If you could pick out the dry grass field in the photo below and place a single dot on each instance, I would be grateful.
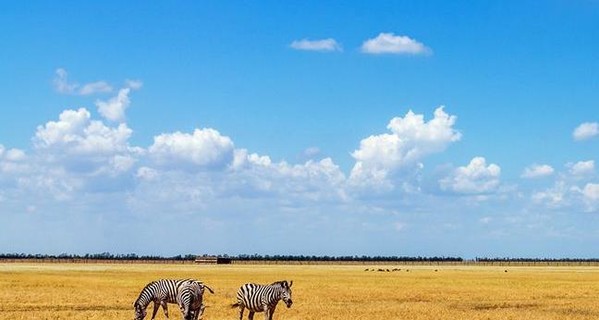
(107, 291)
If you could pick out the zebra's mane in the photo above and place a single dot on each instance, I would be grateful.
(282, 283)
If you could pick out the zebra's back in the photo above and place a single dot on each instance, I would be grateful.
(160, 290)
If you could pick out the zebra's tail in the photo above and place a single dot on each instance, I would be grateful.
(235, 305)
(209, 289)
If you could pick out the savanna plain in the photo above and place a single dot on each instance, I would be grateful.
(107, 291)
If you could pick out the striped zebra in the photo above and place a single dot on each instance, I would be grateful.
(161, 292)
(262, 298)
(189, 298)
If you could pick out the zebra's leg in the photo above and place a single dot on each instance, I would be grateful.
(155, 310)
(241, 308)
(199, 313)
(251, 315)
(271, 312)
(183, 313)
(164, 308)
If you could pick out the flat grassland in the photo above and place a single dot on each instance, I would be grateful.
(107, 291)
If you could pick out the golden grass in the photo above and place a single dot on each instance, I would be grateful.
(107, 291)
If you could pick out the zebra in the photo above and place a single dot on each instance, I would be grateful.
(262, 298)
(189, 298)
(161, 292)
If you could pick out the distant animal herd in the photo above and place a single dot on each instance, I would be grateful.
(188, 295)
(389, 270)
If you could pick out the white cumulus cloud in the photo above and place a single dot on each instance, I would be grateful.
(76, 154)
(411, 139)
(475, 178)
(12, 160)
(76, 133)
(11, 154)
(586, 131)
(322, 45)
(310, 181)
(203, 148)
(582, 168)
(537, 171)
(114, 109)
(389, 43)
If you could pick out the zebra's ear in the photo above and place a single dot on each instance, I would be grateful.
(290, 283)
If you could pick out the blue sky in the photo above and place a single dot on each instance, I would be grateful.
(342, 128)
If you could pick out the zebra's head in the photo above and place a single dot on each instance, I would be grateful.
(140, 312)
(286, 292)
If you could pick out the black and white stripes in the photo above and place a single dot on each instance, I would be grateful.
(165, 291)
(189, 298)
(188, 294)
(263, 298)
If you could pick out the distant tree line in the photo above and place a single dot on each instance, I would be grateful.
(291, 258)
(96, 256)
(257, 257)
(241, 257)
(536, 260)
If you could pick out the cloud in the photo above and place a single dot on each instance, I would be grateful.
(95, 87)
(537, 171)
(591, 191)
(586, 131)
(399, 226)
(324, 45)
(133, 84)
(75, 133)
(62, 85)
(475, 178)
(311, 181)
(485, 220)
(203, 148)
(389, 43)
(114, 109)
(565, 194)
(567, 191)
(12, 161)
(311, 152)
(411, 139)
(250, 178)
(582, 168)
(553, 197)
(11, 154)
(75, 156)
